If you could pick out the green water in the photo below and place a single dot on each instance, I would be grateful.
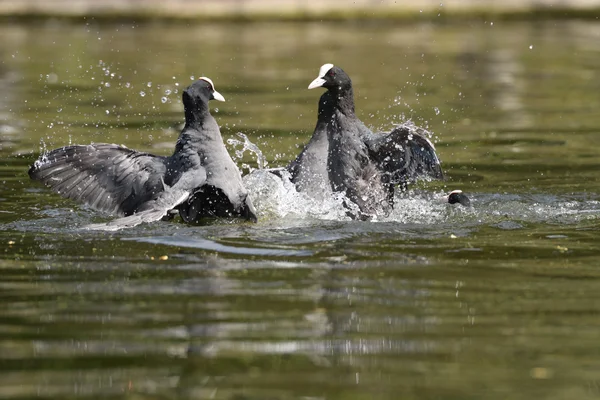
(435, 302)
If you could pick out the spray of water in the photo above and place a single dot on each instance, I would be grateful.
(275, 196)
(247, 145)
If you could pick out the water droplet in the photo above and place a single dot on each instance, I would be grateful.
(437, 110)
(107, 84)
(163, 99)
(192, 78)
(531, 47)
(168, 92)
(128, 85)
(216, 109)
(142, 93)
(107, 112)
(149, 84)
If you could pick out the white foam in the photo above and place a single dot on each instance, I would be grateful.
(276, 197)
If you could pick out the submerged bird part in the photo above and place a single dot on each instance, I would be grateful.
(458, 197)
(199, 179)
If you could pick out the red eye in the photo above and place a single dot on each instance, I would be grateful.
(331, 73)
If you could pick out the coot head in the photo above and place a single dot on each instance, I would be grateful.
(200, 92)
(457, 196)
(332, 78)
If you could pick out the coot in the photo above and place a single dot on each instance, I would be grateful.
(199, 180)
(344, 156)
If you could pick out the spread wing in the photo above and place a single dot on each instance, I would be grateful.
(404, 154)
(161, 204)
(106, 177)
(152, 211)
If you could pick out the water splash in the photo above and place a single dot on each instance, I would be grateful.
(249, 146)
(43, 159)
(275, 196)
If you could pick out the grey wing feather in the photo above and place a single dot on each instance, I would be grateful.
(404, 154)
(129, 221)
(157, 208)
(155, 211)
(107, 177)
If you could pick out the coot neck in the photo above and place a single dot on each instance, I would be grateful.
(194, 116)
(344, 100)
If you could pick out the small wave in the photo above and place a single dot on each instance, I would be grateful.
(206, 244)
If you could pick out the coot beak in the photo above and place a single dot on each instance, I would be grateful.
(317, 83)
(217, 96)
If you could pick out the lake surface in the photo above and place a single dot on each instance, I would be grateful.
(433, 302)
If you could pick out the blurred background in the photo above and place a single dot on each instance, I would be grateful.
(284, 8)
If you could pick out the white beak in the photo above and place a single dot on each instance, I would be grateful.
(218, 96)
(317, 83)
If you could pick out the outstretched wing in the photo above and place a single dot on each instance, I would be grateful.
(106, 177)
(152, 211)
(161, 204)
(404, 154)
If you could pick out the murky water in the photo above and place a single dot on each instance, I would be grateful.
(498, 301)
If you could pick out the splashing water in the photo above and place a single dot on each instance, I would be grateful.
(251, 147)
(275, 196)
(43, 159)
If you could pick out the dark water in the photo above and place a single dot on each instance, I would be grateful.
(434, 302)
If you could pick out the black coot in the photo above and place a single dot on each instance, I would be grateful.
(345, 156)
(458, 197)
(199, 180)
